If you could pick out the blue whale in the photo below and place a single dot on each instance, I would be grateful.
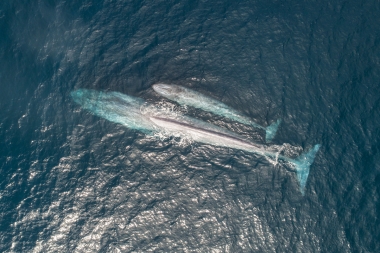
(126, 110)
(185, 96)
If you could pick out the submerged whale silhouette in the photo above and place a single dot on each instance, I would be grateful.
(126, 110)
(185, 96)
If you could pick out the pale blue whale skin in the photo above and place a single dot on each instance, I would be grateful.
(115, 107)
(126, 110)
(185, 96)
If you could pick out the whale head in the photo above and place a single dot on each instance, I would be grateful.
(84, 96)
(167, 90)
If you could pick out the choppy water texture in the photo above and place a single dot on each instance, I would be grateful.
(74, 182)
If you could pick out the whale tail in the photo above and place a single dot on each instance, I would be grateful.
(302, 165)
(270, 131)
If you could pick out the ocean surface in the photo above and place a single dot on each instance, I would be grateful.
(74, 182)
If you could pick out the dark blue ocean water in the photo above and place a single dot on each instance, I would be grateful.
(74, 182)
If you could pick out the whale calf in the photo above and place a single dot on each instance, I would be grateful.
(126, 110)
(185, 96)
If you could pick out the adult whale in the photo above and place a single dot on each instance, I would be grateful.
(206, 133)
(126, 110)
(185, 96)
